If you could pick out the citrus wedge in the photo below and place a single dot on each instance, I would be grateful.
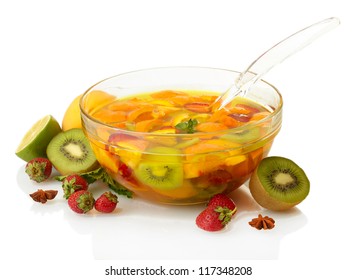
(35, 141)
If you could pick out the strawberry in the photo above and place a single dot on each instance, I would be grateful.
(73, 183)
(106, 203)
(81, 201)
(214, 218)
(219, 177)
(223, 201)
(39, 169)
(218, 213)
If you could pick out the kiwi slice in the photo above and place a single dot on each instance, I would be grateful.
(70, 152)
(279, 184)
(244, 136)
(161, 168)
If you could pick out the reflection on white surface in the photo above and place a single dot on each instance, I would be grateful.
(142, 230)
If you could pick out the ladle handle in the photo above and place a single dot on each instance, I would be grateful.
(274, 56)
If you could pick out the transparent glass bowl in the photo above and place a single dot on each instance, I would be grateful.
(193, 174)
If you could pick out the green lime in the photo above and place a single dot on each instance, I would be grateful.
(35, 141)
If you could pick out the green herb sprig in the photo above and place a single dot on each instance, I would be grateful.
(188, 126)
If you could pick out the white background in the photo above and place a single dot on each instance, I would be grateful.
(51, 51)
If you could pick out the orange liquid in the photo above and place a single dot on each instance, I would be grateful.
(163, 165)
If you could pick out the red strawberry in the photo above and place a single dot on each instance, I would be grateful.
(39, 169)
(73, 183)
(218, 213)
(219, 177)
(214, 218)
(223, 201)
(81, 201)
(106, 203)
(125, 171)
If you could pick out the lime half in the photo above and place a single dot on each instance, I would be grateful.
(35, 141)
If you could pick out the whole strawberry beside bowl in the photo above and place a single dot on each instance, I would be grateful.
(39, 169)
(73, 183)
(81, 201)
(217, 214)
(106, 203)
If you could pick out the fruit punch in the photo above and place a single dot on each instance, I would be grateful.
(173, 146)
(159, 132)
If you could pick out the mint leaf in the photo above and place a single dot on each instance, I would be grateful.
(115, 186)
(188, 126)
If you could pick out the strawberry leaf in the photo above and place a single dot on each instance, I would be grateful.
(101, 174)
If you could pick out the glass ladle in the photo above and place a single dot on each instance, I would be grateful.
(274, 56)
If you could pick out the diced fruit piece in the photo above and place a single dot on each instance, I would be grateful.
(179, 117)
(36, 140)
(198, 107)
(107, 159)
(128, 142)
(160, 168)
(166, 94)
(73, 183)
(240, 117)
(219, 177)
(244, 109)
(279, 184)
(208, 155)
(211, 127)
(230, 121)
(259, 116)
(203, 164)
(245, 136)
(141, 113)
(186, 143)
(81, 201)
(148, 125)
(110, 117)
(106, 203)
(128, 147)
(217, 180)
(39, 169)
(70, 152)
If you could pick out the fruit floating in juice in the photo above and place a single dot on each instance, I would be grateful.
(174, 147)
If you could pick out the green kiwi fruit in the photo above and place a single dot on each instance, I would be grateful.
(70, 152)
(244, 136)
(161, 168)
(279, 184)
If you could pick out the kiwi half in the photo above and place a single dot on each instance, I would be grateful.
(279, 184)
(161, 169)
(70, 152)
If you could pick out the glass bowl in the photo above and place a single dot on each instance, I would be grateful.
(178, 168)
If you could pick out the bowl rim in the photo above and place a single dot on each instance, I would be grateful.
(246, 126)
